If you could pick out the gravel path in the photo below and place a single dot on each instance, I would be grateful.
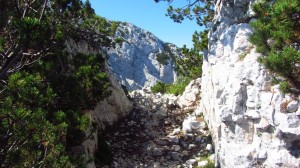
(154, 138)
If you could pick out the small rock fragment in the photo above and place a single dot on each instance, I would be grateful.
(209, 147)
(202, 163)
(176, 148)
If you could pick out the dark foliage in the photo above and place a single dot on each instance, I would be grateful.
(277, 36)
(44, 91)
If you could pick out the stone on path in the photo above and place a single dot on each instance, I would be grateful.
(145, 139)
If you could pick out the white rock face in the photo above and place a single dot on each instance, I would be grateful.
(252, 124)
(141, 59)
(114, 107)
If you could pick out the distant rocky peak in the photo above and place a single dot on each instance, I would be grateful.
(140, 59)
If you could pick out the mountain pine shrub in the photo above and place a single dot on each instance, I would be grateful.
(44, 91)
(190, 65)
(176, 88)
(159, 87)
(277, 36)
(41, 110)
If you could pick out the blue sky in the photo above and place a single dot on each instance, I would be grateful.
(150, 16)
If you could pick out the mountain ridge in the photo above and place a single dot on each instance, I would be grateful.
(140, 59)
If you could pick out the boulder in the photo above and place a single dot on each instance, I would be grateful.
(191, 95)
(191, 124)
(292, 106)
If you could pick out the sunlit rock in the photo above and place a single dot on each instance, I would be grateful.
(252, 122)
(141, 59)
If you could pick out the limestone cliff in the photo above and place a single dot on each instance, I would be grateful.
(252, 122)
(141, 59)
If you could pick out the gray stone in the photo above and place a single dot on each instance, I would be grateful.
(176, 148)
(157, 151)
(156, 165)
(175, 155)
(161, 112)
(197, 125)
(292, 106)
(225, 114)
(202, 163)
(191, 161)
(198, 139)
(190, 123)
(209, 147)
(173, 139)
(191, 146)
(161, 142)
(184, 144)
(176, 131)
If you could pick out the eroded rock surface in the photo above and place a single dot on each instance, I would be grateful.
(141, 59)
(253, 124)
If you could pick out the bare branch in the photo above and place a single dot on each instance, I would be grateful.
(24, 12)
(43, 10)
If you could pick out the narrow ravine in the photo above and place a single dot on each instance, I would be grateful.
(158, 133)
